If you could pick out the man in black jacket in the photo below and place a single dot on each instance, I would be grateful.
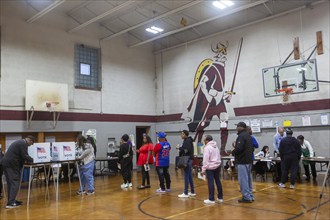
(243, 152)
(12, 163)
(290, 152)
(187, 149)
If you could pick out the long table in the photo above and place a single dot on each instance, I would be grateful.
(103, 160)
(50, 165)
(276, 160)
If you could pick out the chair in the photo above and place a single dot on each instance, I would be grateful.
(196, 166)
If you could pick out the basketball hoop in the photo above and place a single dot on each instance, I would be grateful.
(50, 105)
(286, 97)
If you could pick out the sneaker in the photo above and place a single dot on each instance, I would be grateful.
(191, 194)
(207, 201)
(281, 185)
(168, 190)
(18, 202)
(244, 201)
(126, 185)
(130, 184)
(160, 191)
(12, 205)
(123, 185)
(90, 192)
(141, 187)
(220, 200)
(291, 186)
(183, 195)
(80, 192)
(147, 186)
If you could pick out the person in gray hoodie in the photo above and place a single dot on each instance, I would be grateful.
(211, 167)
(87, 166)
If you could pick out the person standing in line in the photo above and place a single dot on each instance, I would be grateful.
(243, 151)
(307, 151)
(161, 152)
(290, 153)
(145, 158)
(125, 161)
(211, 167)
(86, 169)
(1, 172)
(12, 163)
(276, 144)
(187, 149)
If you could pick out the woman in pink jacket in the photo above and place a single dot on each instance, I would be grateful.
(211, 167)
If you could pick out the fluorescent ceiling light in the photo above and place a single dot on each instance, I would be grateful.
(151, 31)
(223, 4)
(219, 5)
(154, 30)
(157, 29)
(227, 2)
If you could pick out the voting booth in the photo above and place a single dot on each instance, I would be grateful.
(40, 152)
(63, 151)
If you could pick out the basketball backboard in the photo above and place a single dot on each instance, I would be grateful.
(46, 96)
(300, 77)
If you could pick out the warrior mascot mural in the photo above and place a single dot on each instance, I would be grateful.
(210, 96)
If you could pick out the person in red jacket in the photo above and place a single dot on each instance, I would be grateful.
(145, 158)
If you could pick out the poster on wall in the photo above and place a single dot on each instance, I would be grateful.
(267, 123)
(287, 123)
(306, 120)
(324, 119)
(247, 122)
(255, 126)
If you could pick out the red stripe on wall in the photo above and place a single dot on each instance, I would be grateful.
(279, 108)
(241, 111)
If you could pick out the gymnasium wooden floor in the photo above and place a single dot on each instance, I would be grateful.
(111, 202)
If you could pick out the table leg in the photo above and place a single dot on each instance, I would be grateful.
(69, 176)
(47, 179)
(29, 190)
(78, 172)
(58, 172)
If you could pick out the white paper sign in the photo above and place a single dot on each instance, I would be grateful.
(267, 123)
(306, 120)
(324, 120)
(255, 126)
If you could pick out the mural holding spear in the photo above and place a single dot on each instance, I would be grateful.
(209, 94)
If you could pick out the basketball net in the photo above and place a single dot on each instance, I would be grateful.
(50, 105)
(286, 98)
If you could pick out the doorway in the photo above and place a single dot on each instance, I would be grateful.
(140, 130)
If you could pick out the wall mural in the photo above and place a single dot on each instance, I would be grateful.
(209, 95)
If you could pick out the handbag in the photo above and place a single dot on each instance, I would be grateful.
(183, 161)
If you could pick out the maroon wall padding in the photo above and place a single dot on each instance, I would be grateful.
(321, 104)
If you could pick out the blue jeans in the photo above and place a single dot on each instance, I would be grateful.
(188, 178)
(86, 176)
(214, 176)
(245, 180)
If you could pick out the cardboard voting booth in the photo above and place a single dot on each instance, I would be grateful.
(40, 152)
(63, 151)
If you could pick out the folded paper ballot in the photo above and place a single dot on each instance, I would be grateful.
(146, 167)
(200, 176)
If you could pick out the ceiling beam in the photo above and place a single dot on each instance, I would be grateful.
(45, 10)
(235, 10)
(117, 8)
(238, 27)
(153, 19)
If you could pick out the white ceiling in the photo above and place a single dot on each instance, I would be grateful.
(116, 18)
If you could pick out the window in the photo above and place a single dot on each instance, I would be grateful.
(87, 67)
